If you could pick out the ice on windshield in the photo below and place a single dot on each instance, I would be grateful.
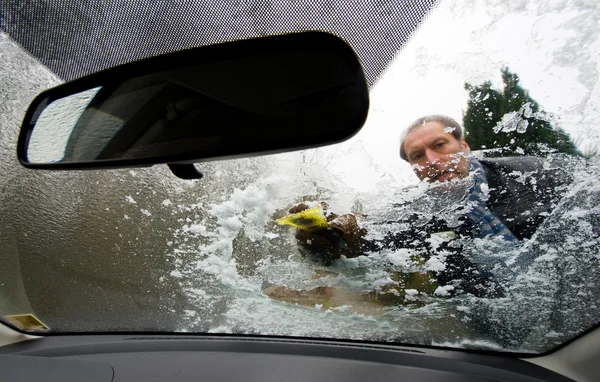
(408, 261)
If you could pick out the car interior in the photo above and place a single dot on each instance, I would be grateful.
(169, 168)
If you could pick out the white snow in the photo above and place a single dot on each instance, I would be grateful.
(443, 290)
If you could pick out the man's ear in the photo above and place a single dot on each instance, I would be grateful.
(465, 145)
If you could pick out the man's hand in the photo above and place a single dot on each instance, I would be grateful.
(343, 237)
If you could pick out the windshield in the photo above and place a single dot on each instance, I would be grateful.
(463, 215)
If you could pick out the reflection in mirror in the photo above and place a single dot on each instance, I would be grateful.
(55, 125)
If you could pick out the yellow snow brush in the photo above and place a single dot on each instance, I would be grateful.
(310, 220)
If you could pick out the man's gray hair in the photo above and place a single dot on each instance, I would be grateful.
(456, 131)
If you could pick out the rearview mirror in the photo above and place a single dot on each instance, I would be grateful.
(242, 98)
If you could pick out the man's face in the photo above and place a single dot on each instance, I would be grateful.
(435, 154)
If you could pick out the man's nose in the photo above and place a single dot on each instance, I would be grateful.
(433, 156)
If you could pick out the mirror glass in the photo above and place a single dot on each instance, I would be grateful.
(48, 143)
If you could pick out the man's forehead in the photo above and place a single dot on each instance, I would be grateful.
(428, 130)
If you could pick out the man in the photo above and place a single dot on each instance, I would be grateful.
(521, 191)
(435, 148)
(506, 200)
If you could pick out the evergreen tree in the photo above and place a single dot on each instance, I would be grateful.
(511, 122)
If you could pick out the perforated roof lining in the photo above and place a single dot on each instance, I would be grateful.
(77, 38)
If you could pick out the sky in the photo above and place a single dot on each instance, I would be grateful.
(553, 50)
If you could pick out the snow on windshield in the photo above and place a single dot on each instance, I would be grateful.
(507, 261)
(232, 259)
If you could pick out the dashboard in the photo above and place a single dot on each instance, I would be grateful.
(104, 358)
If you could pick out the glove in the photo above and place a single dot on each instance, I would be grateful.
(342, 237)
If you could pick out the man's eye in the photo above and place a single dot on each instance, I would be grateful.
(440, 145)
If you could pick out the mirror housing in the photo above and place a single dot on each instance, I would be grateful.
(231, 100)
